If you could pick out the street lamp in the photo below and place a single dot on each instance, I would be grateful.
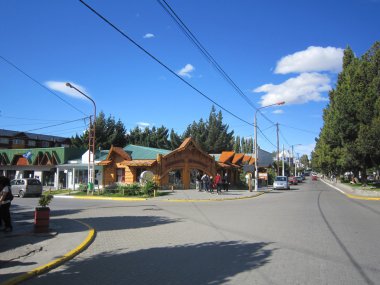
(91, 144)
(255, 124)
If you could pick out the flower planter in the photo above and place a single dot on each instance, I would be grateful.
(41, 219)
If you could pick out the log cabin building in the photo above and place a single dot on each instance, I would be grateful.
(178, 168)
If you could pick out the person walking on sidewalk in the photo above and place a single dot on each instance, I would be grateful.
(5, 203)
(218, 183)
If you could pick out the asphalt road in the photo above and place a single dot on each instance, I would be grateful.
(309, 235)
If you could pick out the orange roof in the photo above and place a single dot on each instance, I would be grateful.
(139, 162)
(252, 160)
(246, 158)
(185, 142)
(223, 165)
(226, 156)
(238, 158)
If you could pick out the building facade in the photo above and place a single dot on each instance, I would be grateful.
(176, 169)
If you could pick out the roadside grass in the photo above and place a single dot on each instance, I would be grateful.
(369, 187)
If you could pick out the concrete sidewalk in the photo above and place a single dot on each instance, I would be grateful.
(353, 192)
(25, 254)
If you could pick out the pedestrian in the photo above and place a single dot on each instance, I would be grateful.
(204, 179)
(225, 182)
(218, 183)
(5, 203)
(198, 182)
(211, 184)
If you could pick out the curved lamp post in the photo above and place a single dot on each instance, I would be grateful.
(255, 124)
(91, 144)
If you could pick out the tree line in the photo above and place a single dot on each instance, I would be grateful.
(349, 139)
(211, 135)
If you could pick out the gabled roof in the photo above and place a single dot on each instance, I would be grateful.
(140, 162)
(246, 158)
(189, 143)
(143, 152)
(226, 156)
(238, 158)
(119, 151)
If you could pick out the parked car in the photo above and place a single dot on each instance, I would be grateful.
(26, 187)
(293, 180)
(370, 178)
(281, 182)
(299, 179)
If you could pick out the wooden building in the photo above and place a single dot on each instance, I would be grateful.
(177, 168)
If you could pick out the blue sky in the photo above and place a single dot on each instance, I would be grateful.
(273, 50)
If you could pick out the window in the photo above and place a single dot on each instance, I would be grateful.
(45, 144)
(120, 174)
(4, 141)
(31, 143)
(18, 141)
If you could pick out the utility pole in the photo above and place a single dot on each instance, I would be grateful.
(278, 152)
(283, 160)
(293, 161)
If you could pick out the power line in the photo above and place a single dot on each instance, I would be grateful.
(29, 119)
(40, 84)
(57, 124)
(302, 130)
(266, 137)
(283, 137)
(206, 54)
(161, 63)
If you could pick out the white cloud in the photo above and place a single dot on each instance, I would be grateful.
(185, 71)
(143, 125)
(278, 111)
(148, 36)
(297, 90)
(310, 60)
(61, 87)
(304, 149)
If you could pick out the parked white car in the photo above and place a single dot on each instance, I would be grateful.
(281, 182)
(26, 187)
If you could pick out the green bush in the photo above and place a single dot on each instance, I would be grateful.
(148, 188)
(82, 187)
(45, 200)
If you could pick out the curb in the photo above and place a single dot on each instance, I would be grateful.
(100, 198)
(213, 200)
(55, 263)
(352, 196)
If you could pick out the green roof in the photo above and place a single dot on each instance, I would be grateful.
(63, 154)
(216, 156)
(143, 152)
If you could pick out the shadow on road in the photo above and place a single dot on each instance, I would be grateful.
(205, 263)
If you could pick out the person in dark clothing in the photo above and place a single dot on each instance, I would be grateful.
(5, 203)
(225, 182)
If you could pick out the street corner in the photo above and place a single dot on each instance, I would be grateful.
(26, 260)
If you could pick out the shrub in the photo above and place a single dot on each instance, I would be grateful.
(45, 200)
(149, 188)
(82, 187)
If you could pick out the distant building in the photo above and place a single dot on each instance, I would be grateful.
(41, 163)
(19, 140)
